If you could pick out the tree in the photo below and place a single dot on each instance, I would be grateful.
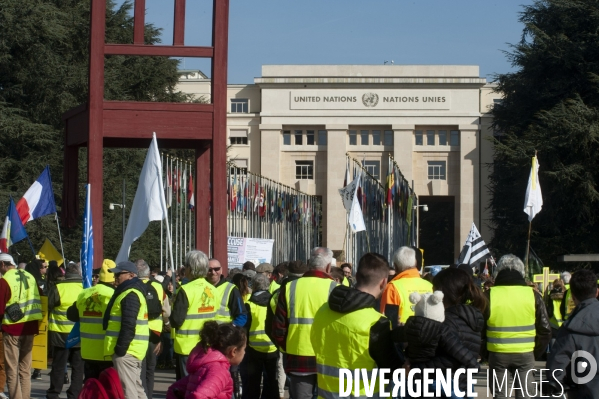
(550, 105)
(43, 73)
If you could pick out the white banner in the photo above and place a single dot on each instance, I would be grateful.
(255, 250)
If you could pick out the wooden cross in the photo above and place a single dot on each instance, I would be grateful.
(545, 279)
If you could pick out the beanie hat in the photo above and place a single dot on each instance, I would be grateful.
(429, 305)
(105, 275)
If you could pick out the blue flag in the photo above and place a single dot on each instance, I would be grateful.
(87, 261)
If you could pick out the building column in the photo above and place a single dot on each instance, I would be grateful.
(468, 203)
(403, 142)
(270, 151)
(334, 214)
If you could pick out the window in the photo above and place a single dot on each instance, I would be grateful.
(298, 137)
(364, 137)
(376, 137)
(240, 167)
(310, 137)
(374, 168)
(322, 137)
(286, 137)
(304, 170)
(418, 136)
(454, 137)
(388, 137)
(238, 137)
(239, 105)
(436, 170)
(353, 137)
(442, 137)
(430, 137)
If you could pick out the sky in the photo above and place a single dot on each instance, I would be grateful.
(455, 32)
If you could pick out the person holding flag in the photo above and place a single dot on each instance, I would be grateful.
(21, 311)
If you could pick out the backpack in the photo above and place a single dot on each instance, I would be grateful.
(154, 305)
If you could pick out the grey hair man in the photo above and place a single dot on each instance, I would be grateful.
(395, 301)
(196, 302)
(298, 302)
(153, 288)
(517, 325)
(567, 306)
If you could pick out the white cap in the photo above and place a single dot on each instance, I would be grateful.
(159, 278)
(429, 305)
(4, 257)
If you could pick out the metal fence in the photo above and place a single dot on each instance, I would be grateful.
(388, 212)
(259, 207)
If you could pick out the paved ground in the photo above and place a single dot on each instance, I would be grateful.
(164, 378)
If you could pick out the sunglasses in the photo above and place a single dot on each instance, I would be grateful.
(213, 269)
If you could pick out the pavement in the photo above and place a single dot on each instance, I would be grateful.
(164, 378)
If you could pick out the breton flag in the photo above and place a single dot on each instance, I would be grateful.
(475, 248)
(38, 201)
(149, 203)
(534, 199)
(13, 230)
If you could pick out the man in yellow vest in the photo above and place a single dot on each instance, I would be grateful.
(267, 270)
(261, 354)
(126, 325)
(148, 365)
(567, 306)
(395, 303)
(89, 311)
(517, 326)
(18, 287)
(556, 295)
(298, 302)
(195, 304)
(60, 297)
(349, 333)
(230, 305)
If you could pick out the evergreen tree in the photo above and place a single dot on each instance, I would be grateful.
(43, 73)
(550, 105)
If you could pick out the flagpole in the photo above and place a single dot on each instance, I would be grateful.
(59, 235)
(31, 245)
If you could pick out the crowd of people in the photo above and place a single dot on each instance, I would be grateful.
(261, 328)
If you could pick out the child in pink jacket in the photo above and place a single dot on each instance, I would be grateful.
(220, 346)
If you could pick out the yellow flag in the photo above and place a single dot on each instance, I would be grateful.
(49, 252)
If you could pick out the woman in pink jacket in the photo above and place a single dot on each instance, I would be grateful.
(220, 346)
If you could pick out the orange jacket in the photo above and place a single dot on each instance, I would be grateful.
(391, 296)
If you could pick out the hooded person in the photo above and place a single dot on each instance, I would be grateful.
(348, 333)
(89, 310)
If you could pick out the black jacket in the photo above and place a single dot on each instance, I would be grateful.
(56, 338)
(129, 310)
(259, 298)
(236, 307)
(579, 332)
(542, 327)
(380, 346)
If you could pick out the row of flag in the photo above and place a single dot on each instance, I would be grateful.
(179, 185)
(245, 195)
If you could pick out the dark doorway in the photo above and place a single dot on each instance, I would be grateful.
(437, 230)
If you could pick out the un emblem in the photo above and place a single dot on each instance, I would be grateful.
(370, 99)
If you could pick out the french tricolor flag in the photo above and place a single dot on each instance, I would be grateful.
(38, 201)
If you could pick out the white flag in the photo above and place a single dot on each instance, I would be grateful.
(356, 219)
(349, 192)
(534, 199)
(149, 203)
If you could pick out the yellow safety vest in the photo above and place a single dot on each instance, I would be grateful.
(340, 341)
(511, 324)
(68, 293)
(556, 320)
(345, 282)
(156, 324)
(26, 294)
(570, 305)
(202, 300)
(139, 344)
(223, 292)
(91, 304)
(304, 297)
(406, 286)
(273, 287)
(258, 339)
